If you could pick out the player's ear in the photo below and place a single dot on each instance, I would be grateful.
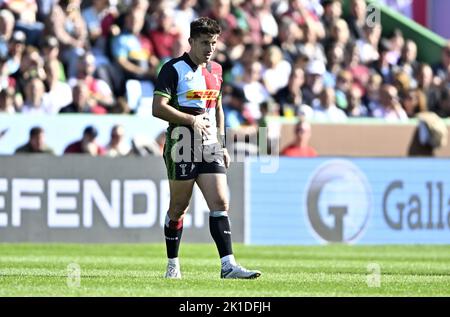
(190, 40)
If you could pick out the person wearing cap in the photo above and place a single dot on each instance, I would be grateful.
(16, 50)
(87, 144)
(50, 50)
(314, 82)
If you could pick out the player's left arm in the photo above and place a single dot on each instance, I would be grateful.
(220, 123)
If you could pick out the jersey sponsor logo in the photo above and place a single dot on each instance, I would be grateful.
(208, 94)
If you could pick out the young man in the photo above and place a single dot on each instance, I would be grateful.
(187, 95)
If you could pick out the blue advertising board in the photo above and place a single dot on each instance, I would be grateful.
(361, 200)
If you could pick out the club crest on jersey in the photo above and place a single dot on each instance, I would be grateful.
(189, 76)
(208, 94)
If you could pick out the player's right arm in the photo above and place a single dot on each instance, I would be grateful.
(161, 109)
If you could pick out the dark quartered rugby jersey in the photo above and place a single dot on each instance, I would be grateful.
(192, 89)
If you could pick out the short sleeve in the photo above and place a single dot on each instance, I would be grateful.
(166, 83)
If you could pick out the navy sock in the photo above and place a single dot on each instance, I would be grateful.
(219, 226)
(173, 231)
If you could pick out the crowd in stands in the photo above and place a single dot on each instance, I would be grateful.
(279, 57)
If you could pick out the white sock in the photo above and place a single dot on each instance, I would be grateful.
(228, 260)
(174, 262)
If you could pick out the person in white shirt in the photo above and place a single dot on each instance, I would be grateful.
(327, 110)
(389, 107)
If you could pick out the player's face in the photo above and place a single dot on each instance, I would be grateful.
(203, 47)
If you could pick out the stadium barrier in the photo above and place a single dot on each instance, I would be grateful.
(84, 199)
(365, 138)
(296, 201)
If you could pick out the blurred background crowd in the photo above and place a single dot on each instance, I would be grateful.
(285, 58)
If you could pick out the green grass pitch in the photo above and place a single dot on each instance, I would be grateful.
(137, 270)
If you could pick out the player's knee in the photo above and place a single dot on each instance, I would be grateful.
(220, 205)
(178, 211)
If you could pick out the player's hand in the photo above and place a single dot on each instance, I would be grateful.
(226, 158)
(201, 125)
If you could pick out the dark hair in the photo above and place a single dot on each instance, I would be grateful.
(204, 25)
(35, 131)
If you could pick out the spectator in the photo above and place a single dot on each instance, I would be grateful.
(94, 16)
(332, 11)
(289, 39)
(255, 92)
(389, 107)
(355, 107)
(339, 32)
(82, 101)
(252, 53)
(34, 97)
(100, 94)
(66, 23)
(36, 143)
(300, 147)
(183, 16)
(290, 98)
(87, 144)
(397, 44)
(357, 18)
(50, 50)
(117, 145)
(335, 59)
(314, 82)
(59, 93)
(442, 69)
(327, 110)
(31, 66)
(414, 102)
(277, 71)
(16, 50)
(234, 109)
(303, 15)
(311, 47)
(425, 83)
(407, 61)
(165, 35)
(7, 22)
(7, 101)
(134, 59)
(344, 84)
(6, 81)
(368, 45)
(443, 109)
(359, 71)
(382, 65)
(221, 12)
(372, 93)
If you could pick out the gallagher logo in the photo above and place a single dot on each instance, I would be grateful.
(338, 200)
